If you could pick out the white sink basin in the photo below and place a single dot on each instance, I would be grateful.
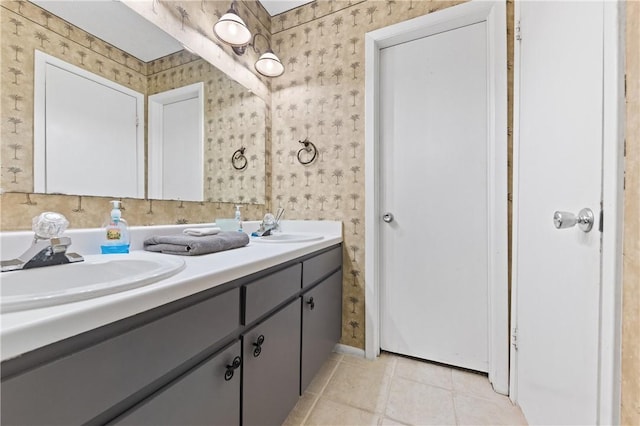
(98, 275)
(287, 237)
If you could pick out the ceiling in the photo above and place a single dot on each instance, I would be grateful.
(114, 23)
(275, 7)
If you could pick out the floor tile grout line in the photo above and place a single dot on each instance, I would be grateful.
(391, 371)
(347, 404)
(426, 383)
(319, 395)
(391, 377)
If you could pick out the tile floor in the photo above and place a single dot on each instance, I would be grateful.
(394, 390)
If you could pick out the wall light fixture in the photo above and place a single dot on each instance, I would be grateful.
(232, 30)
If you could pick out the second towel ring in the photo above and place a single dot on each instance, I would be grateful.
(238, 160)
(308, 147)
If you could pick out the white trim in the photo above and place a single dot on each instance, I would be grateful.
(155, 139)
(612, 202)
(348, 350)
(494, 13)
(39, 119)
(513, 358)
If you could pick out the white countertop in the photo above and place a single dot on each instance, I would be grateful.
(27, 330)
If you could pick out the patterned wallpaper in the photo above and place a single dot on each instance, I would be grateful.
(321, 96)
(24, 30)
(631, 251)
(26, 27)
(234, 118)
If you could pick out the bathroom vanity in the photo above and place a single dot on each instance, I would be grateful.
(233, 351)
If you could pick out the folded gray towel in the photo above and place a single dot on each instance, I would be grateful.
(187, 245)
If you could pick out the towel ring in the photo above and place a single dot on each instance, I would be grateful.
(308, 147)
(238, 160)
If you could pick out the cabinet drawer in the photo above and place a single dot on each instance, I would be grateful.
(78, 387)
(201, 397)
(320, 266)
(267, 293)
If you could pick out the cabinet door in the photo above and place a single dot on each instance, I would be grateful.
(208, 395)
(271, 370)
(66, 391)
(321, 325)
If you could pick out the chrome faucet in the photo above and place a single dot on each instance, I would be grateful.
(48, 248)
(270, 223)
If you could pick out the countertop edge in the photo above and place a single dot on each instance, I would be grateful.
(25, 331)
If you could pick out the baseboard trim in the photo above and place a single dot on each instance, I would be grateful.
(349, 350)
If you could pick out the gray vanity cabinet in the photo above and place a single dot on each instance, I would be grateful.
(321, 325)
(238, 353)
(271, 370)
(207, 395)
(72, 383)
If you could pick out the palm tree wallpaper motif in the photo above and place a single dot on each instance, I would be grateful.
(329, 79)
(320, 96)
(26, 28)
(242, 122)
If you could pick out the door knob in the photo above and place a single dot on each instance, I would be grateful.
(584, 220)
(388, 217)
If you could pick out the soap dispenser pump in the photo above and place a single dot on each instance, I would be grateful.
(116, 232)
(238, 217)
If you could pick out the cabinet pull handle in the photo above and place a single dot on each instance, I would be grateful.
(237, 361)
(311, 303)
(258, 346)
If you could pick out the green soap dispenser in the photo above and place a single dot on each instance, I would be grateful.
(116, 232)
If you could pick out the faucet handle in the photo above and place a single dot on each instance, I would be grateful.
(60, 244)
(49, 225)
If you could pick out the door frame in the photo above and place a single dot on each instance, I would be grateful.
(609, 358)
(494, 14)
(155, 138)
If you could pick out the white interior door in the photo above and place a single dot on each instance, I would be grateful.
(182, 180)
(88, 132)
(434, 168)
(176, 144)
(558, 166)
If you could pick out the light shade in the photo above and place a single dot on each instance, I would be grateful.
(232, 30)
(269, 64)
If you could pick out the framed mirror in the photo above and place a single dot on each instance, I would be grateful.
(231, 116)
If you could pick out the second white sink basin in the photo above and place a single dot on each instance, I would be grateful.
(98, 275)
(288, 237)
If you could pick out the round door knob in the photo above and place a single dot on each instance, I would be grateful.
(388, 217)
(584, 220)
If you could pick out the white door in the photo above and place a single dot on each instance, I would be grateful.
(558, 166)
(176, 144)
(181, 179)
(433, 126)
(87, 136)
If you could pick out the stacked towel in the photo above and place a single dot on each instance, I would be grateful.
(201, 232)
(188, 245)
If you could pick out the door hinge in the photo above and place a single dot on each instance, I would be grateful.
(514, 338)
(518, 32)
(601, 225)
